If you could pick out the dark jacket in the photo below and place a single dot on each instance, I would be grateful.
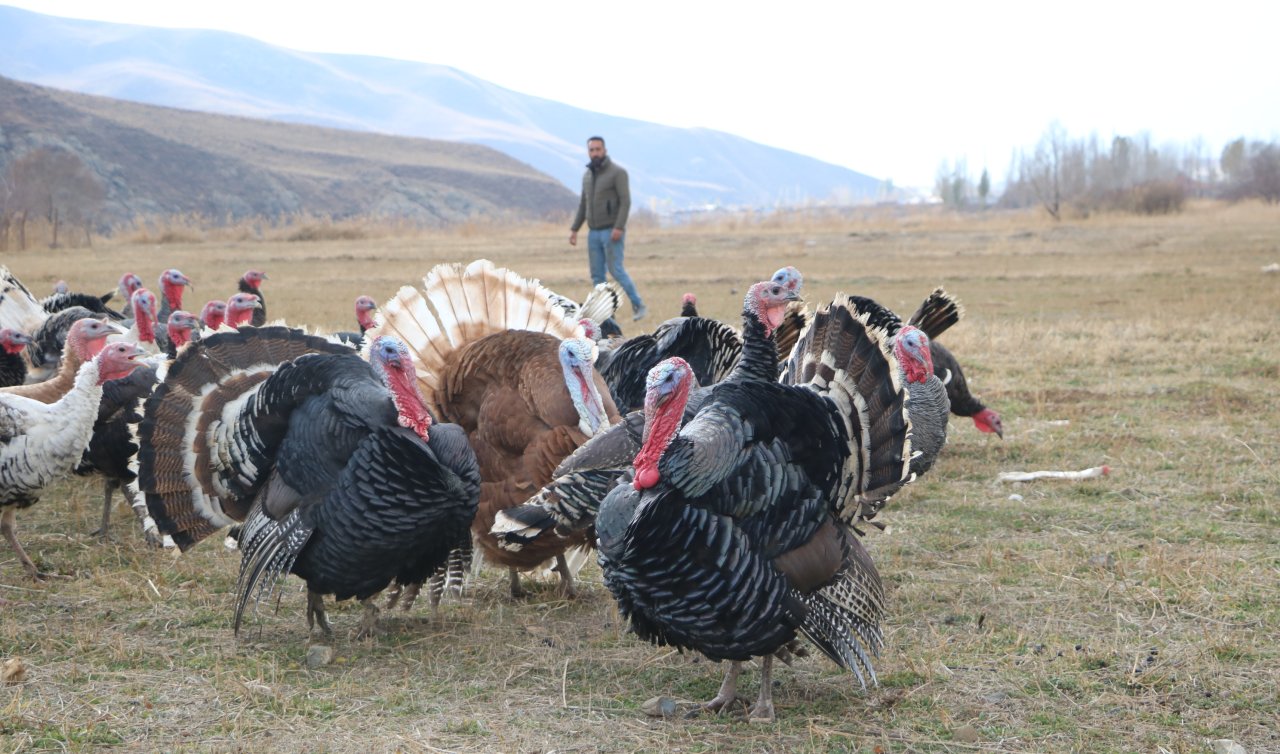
(606, 198)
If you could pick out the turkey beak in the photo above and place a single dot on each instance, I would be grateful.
(115, 328)
(792, 295)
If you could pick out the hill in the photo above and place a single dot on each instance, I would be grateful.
(157, 160)
(671, 168)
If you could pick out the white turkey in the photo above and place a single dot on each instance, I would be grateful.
(41, 442)
(736, 533)
(498, 358)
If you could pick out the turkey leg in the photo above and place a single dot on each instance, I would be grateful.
(762, 712)
(10, 533)
(316, 614)
(728, 689)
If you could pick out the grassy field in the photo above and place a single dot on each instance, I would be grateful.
(1132, 613)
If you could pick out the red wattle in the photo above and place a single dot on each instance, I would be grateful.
(646, 478)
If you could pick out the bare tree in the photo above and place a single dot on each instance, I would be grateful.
(52, 184)
(1046, 168)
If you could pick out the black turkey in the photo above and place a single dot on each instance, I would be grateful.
(13, 366)
(251, 282)
(963, 403)
(332, 463)
(736, 532)
(569, 503)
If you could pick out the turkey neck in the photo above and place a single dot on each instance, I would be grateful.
(759, 360)
(173, 295)
(410, 406)
(660, 427)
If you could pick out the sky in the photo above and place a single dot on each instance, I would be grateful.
(890, 89)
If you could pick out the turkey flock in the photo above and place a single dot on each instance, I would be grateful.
(722, 475)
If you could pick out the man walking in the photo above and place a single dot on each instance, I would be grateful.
(604, 206)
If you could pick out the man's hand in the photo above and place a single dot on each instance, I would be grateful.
(616, 235)
(573, 238)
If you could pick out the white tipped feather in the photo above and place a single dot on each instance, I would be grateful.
(459, 305)
(18, 308)
(602, 302)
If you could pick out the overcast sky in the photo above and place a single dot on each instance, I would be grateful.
(890, 89)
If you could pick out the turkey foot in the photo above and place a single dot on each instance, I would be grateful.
(567, 587)
(762, 711)
(728, 693)
(393, 595)
(369, 623)
(316, 614)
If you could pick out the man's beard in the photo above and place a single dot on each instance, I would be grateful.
(596, 163)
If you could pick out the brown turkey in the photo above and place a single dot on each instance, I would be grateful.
(497, 357)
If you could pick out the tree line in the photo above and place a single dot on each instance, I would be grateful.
(1126, 173)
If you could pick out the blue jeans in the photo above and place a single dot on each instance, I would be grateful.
(602, 252)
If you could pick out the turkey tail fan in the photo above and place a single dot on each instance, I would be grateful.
(937, 313)
(19, 310)
(843, 618)
(793, 322)
(602, 302)
(204, 384)
(458, 305)
(848, 359)
(711, 347)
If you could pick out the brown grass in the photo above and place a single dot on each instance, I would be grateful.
(1131, 613)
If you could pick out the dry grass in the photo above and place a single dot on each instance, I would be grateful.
(1131, 613)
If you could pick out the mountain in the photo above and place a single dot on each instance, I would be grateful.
(212, 71)
(164, 161)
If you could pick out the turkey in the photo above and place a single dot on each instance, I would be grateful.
(569, 503)
(144, 328)
(19, 310)
(358, 487)
(736, 532)
(13, 366)
(183, 327)
(84, 339)
(45, 351)
(113, 446)
(939, 311)
(688, 305)
(172, 285)
(128, 285)
(67, 299)
(504, 363)
(928, 403)
(243, 309)
(178, 460)
(40, 442)
(214, 314)
(251, 283)
(365, 307)
(963, 403)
